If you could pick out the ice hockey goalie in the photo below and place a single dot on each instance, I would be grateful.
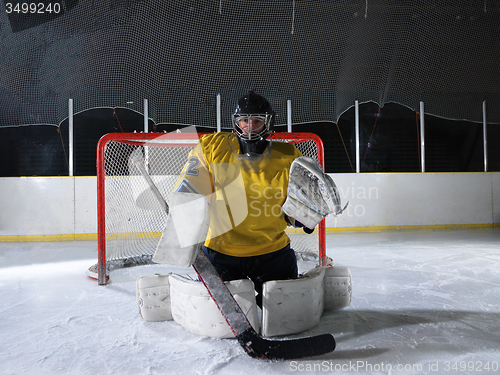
(288, 306)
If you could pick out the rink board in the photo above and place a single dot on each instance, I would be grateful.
(65, 207)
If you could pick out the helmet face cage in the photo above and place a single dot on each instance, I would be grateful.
(252, 127)
(253, 118)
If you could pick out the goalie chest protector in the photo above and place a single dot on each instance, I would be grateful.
(245, 206)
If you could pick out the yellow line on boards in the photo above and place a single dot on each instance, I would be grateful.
(93, 236)
(48, 237)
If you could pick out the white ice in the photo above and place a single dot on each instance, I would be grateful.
(424, 302)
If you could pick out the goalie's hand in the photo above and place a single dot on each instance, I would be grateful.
(312, 195)
(297, 224)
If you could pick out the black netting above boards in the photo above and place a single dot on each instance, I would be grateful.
(321, 55)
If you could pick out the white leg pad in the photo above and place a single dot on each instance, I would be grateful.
(153, 298)
(186, 228)
(338, 287)
(194, 309)
(293, 306)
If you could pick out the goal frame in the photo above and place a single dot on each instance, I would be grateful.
(141, 139)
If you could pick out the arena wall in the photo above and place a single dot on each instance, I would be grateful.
(64, 208)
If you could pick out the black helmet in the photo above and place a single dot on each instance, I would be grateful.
(253, 106)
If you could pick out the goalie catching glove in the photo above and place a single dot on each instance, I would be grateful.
(312, 195)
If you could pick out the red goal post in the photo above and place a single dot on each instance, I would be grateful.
(129, 220)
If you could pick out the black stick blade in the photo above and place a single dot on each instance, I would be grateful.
(258, 347)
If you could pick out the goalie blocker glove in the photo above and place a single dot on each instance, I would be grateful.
(312, 195)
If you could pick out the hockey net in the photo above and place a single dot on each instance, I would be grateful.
(130, 218)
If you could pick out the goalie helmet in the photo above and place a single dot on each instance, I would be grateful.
(253, 122)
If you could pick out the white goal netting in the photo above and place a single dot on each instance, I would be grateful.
(179, 54)
(130, 217)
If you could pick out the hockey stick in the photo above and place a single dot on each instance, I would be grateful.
(138, 161)
(255, 345)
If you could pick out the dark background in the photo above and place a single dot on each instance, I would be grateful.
(389, 142)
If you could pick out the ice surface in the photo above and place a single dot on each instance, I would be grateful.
(424, 302)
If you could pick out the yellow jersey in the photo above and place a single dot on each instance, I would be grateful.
(245, 204)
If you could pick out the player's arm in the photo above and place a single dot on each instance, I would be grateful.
(188, 221)
(195, 177)
(311, 195)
